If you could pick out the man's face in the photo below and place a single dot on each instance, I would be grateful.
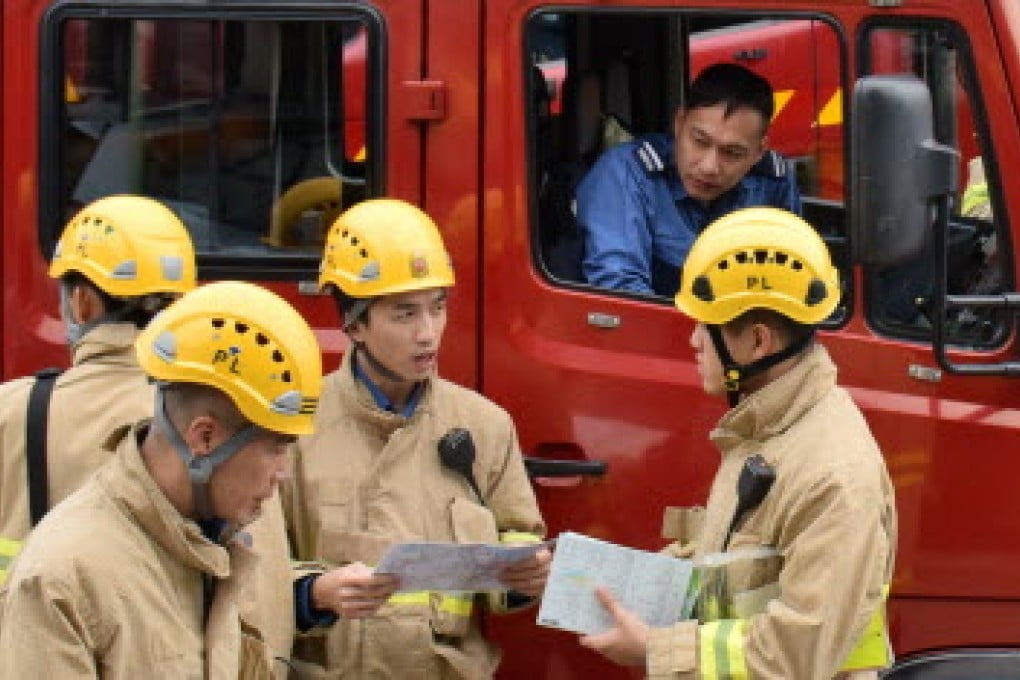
(714, 151)
(403, 331)
(240, 486)
(740, 346)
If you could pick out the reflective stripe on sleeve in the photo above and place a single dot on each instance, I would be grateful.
(519, 537)
(873, 650)
(721, 650)
(458, 604)
(9, 549)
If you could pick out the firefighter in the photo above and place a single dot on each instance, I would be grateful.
(119, 261)
(802, 488)
(139, 573)
(371, 475)
(644, 202)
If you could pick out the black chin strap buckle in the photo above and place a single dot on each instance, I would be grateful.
(731, 379)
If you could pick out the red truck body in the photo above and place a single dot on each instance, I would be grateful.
(444, 99)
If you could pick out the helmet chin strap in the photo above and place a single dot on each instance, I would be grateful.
(377, 366)
(200, 468)
(735, 374)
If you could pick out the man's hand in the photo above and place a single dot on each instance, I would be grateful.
(529, 575)
(353, 591)
(626, 643)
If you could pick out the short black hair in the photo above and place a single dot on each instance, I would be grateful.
(345, 304)
(734, 86)
(136, 315)
(791, 331)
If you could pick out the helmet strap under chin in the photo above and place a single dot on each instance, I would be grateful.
(361, 350)
(735, 375)
(200, 468)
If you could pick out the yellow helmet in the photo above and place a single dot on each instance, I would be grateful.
(246, 342)
(128, 246)
(758, 258)
(384, 246)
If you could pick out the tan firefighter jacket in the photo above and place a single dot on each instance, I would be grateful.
(368, 479)
(104, 390)
(830, 514)
(110, 584)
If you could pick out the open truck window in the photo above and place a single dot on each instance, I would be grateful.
(257, 131)
(978, 259)
(597, 79)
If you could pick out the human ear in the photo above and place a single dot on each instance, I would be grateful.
(201, 435)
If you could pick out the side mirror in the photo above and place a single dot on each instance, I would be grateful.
(897, 170)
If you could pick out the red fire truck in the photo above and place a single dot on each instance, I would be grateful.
(257, 121)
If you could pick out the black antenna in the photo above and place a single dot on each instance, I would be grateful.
(457, 453)
(753, 485)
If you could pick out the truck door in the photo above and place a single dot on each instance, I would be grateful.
(257, 128)
(596, 376)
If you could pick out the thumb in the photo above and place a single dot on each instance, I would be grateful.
(611, 604)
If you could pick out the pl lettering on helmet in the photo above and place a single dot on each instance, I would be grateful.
(127, 246)
(758, 258)
(246, 342)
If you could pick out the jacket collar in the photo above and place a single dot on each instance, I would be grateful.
(775, 407)
(127, 481)
(357, 398)
(108, 342)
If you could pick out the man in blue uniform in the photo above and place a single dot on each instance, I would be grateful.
(644, 202)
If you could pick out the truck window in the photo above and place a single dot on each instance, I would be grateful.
(257, 132)
(598, 79)
(977, 264)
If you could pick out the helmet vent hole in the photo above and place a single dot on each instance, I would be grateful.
(277, 356)
(741, 258)
(344, 233)
(364, 253)
(217, 323)
(724, 265)
(261, 340)
(761, 256)
(796, 265)
(285, 376)
(241, 328)
(781, 258)
(354, 240)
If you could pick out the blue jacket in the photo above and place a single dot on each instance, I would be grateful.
(639, 223)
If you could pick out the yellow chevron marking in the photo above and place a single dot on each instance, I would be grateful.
(780, 100)
(832, 112)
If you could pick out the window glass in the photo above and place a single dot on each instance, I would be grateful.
(899, 300)
(598, 80)
(252, 131)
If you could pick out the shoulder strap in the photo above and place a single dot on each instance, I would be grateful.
(35, 442)
(651, 156)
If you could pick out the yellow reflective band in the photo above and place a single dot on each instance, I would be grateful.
(519, 537)
(832, 112)
(457, 604)
(779, 101)
(9, 549)
(975, 195)
(721, 650)
(873, 649)
(410, 599)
